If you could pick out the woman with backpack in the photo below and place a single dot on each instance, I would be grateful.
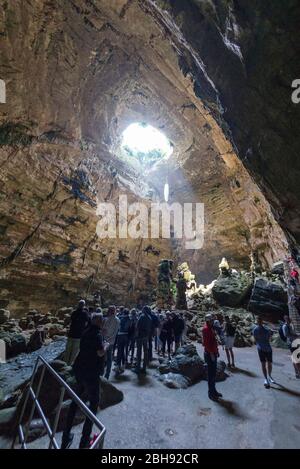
(229, 333)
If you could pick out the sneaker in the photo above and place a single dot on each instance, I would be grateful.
(271, 380)
(213, 397)
(266, 383)
(67, 440)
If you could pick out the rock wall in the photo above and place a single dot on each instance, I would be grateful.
(77, 73)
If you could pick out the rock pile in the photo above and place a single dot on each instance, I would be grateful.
(32, 330)
(241, 319)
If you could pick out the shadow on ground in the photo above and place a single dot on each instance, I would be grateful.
(244, 372)
(232, 408)
(280, 387)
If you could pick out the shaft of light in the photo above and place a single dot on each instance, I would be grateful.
(166, 191)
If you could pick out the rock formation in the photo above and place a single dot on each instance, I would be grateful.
(211, 74)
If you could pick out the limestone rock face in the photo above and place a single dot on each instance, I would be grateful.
(231, 291)
(77, 74)
(4, 315)
(268, 298)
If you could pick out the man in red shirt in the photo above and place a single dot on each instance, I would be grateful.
(211, 354)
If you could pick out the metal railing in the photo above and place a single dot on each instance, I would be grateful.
(23, 433)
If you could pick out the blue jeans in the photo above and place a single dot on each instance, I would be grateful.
(211, 373)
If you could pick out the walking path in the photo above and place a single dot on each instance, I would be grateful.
(250, 416)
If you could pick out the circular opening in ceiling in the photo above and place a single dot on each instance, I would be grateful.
(144, 145)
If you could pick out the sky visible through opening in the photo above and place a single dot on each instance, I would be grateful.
(145, 144)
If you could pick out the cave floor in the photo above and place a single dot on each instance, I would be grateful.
(249, 416)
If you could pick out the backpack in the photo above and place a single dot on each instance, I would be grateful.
(230, 330)
(281, 333)
(125, 324)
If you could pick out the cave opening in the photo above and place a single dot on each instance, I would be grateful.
(144, 145)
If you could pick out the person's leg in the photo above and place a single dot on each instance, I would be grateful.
(132, 346)
(138, 353)
(67, 355)
(108, 361)
(228, 356)
(232, 356)
(146, 353)
(169, 342)
(269, 365)
(93, 391)
(75, 350)
(150, 348)
(210, 374)
(264, 369)
(163, 345)
(125, 349)
(67, 436)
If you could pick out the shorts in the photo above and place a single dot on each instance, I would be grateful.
(265, 356)
(228, 341)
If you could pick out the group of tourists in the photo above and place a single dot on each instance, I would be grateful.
(128, 338)
(128, 335)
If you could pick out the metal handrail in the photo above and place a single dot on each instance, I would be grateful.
(99, 441)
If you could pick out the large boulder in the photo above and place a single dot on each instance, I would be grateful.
(186, 362)
(36, 340)
(7, 420)
(15, 343)
(278, 268)
(174, 381)
(221, 375)
(268, 298)
(233, 290)
(4, 315)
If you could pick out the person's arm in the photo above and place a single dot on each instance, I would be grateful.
(101, 346)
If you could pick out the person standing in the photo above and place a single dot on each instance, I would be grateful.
(87, 368)
(262, 335)
(111, 328)
(79, 321)
(290, 336)
(144, 329)
(184, 332)
(132, 334)
(155, 324)
(211, 354)
(178, 327)
(229, 333)
(122, 341)
(167, 334)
